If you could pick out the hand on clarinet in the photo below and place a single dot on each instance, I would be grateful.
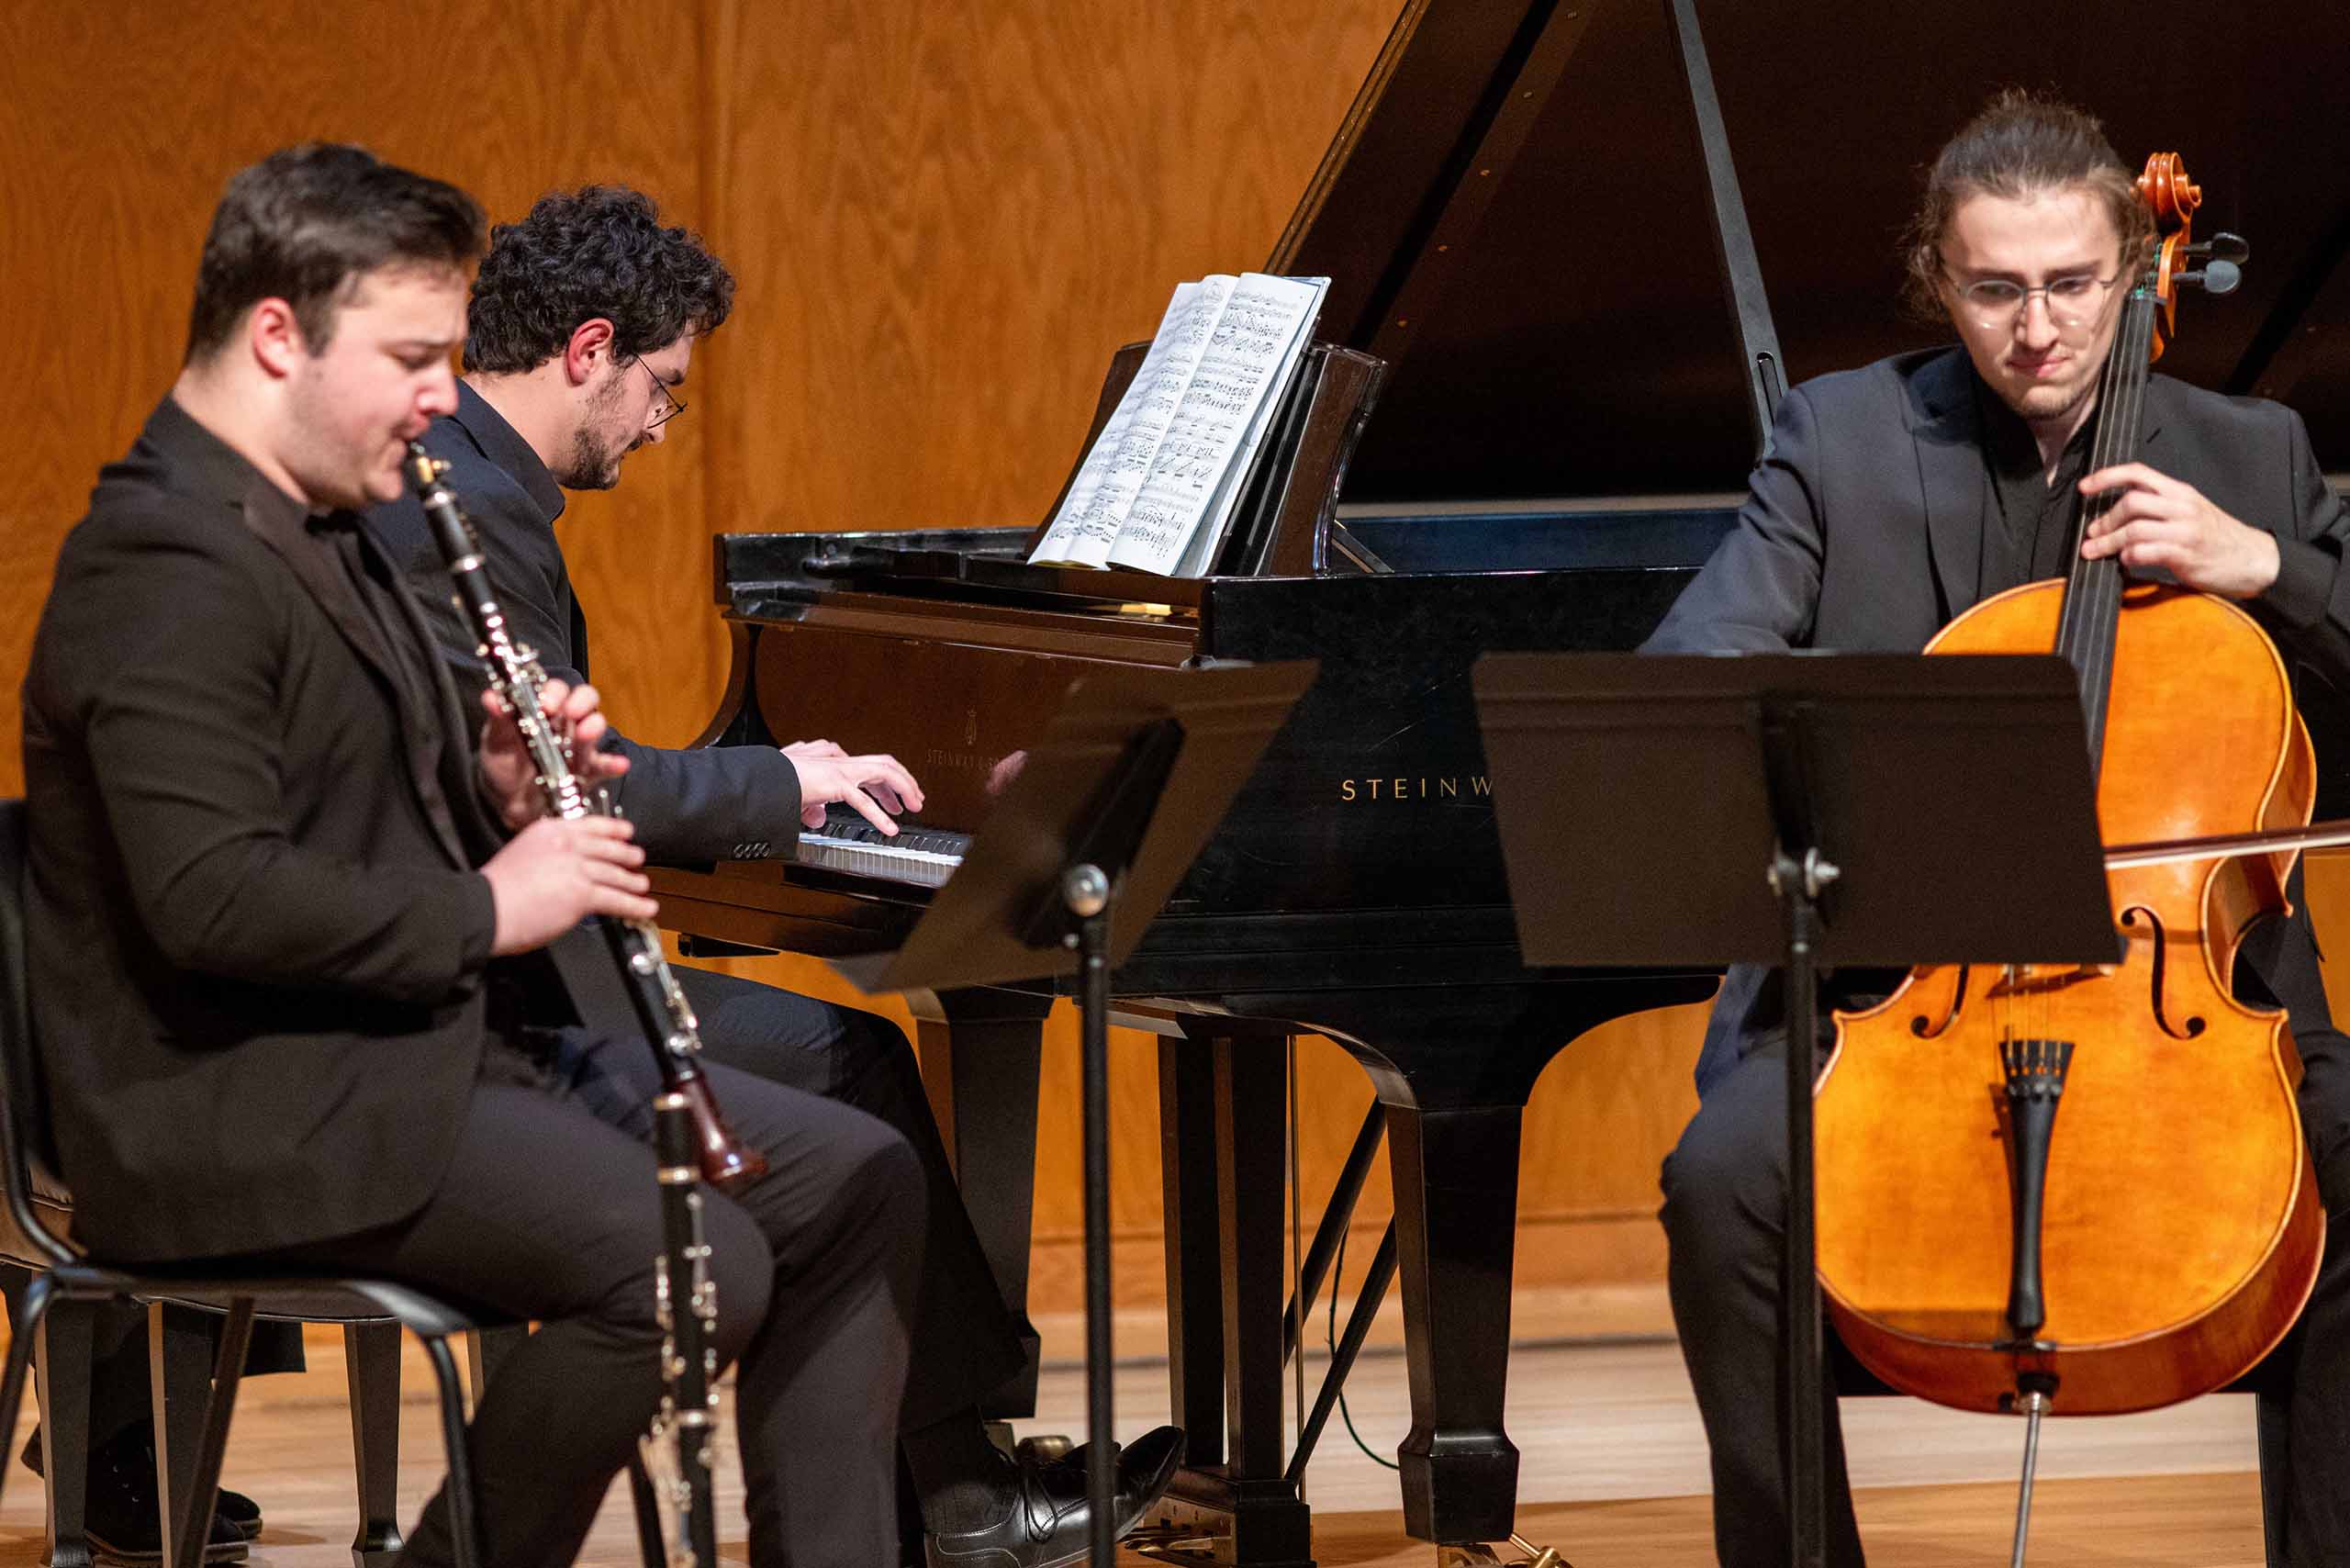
(558, 871)
(508, 776)
(876, 785)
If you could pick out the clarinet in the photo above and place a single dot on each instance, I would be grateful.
(691, 1142)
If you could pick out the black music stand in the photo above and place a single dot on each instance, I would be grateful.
(1100, 824)
(1801, 809)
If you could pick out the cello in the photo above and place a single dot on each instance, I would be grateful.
(2105, 1161)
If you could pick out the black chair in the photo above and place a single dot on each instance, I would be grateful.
(181, 1337)
(194, 1407)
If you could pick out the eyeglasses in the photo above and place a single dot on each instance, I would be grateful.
(2073, 300)
(671, 407)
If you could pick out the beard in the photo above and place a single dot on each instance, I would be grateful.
(2041, 404)
(2045, 405)
(594, 461)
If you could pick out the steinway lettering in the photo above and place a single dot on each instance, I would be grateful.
(1465, 787)
(937, 757)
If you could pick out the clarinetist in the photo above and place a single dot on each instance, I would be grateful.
(277, 877)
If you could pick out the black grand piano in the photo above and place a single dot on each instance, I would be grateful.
(1544, 364)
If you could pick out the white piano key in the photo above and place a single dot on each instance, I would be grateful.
(922, 868)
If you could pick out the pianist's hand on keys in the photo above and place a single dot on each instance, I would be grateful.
(876, 786)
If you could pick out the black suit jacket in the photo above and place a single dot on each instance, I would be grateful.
(696, 803)
(1863, 531)
(257, 943)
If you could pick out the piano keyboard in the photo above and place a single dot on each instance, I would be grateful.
(924, 856)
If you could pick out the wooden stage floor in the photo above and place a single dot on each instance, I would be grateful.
(1613, 1473)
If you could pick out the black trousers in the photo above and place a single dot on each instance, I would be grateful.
(1725, 1214)
(549, 1211)
(966, 1342)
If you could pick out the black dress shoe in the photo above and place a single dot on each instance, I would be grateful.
(1044, 1522)
(143, 1546)
(120, 1515)
(1144, 1466)
(234, 1507)
(239, 1510)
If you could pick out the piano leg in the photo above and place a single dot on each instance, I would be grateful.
(980, 1051)
(1222, 1104)
(1456, 1187)
(1453, 1153)
(1194, 1262)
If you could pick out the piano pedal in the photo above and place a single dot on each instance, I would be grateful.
(1172, 1541)
(1476, 1554)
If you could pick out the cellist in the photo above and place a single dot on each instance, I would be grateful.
(1896, 497)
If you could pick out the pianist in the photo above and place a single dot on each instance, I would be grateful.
(581, 325)
(2029, 220)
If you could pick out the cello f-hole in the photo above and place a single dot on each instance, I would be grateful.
(1925, 1028)
(2131, 918)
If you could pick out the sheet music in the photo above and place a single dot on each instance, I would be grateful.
(1086, 528)
(1199, 554)
(1196, 469)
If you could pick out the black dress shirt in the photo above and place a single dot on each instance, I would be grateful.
(2030, 538)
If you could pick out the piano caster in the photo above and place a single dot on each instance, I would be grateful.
(1476, 1554)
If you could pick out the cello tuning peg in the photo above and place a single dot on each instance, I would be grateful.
(2223, 246)
(2215, 276)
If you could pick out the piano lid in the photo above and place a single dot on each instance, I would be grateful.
(1514, 214)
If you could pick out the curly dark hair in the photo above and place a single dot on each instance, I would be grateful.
(306, 221)
(598, 251)
(2021, 144)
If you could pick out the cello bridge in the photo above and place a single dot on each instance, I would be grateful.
(2046, 980)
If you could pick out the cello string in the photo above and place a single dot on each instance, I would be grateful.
(2087, 648)
(2120, 433)
(2084, 605)
(2121, 437)
(2090, 614)
(2116, 435)
(2083, 610)
(2087, 606)
(2124, 390)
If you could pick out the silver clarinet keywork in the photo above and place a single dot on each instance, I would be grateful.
(690, 1138)
(678, 1450)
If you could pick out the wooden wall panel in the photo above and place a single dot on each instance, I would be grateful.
(120, 122)
(949, 216)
